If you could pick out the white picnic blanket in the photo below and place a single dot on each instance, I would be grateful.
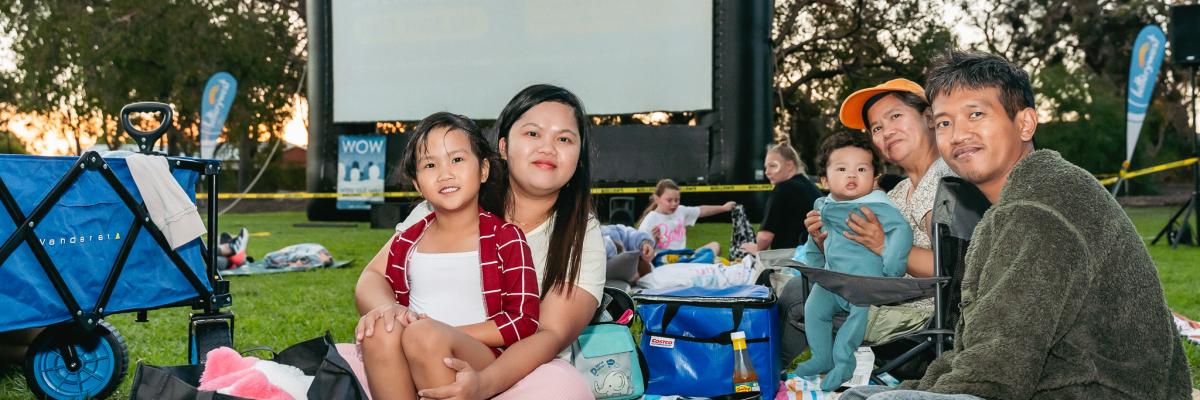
(1187, 328)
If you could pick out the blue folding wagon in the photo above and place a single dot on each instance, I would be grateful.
(78, 245)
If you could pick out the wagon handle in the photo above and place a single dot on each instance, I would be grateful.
(145, 140)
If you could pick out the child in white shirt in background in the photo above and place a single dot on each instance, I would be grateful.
(667, 221)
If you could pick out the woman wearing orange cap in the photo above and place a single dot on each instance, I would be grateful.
(897, 117)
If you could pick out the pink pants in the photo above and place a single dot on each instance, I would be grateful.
(556, 379)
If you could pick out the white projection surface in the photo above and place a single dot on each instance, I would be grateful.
(405, 59)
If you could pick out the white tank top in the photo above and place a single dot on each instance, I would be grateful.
(447, 286)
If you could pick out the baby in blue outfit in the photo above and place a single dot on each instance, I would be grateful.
(848, 165)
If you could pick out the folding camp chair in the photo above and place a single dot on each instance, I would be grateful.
(85, 248)
(958, 207)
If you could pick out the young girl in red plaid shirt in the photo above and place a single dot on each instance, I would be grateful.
(460, 283)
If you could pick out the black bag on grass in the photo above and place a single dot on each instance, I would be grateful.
(333, 378)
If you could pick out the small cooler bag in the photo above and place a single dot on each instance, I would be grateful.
(607, 358)
(686, 338)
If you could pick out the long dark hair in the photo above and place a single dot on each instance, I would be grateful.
(573, 207)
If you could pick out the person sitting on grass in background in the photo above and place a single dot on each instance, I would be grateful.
(629, 252)
(460, 283)
(232, 250)
(848, 166)
(790, 200)
(667, 221)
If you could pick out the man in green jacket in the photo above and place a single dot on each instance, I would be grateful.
(1060, 299)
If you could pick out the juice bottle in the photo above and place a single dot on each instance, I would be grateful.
(744, 378)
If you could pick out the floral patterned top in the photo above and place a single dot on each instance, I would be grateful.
(915, 207)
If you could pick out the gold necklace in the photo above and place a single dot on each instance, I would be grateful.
(525, 226)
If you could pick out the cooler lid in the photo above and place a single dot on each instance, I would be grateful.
(742, 294)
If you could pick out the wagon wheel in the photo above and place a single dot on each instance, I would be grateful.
(102, 358)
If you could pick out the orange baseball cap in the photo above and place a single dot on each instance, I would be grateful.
(852, 113)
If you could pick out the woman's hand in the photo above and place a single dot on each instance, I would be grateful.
(465, 386)
(390, 313)
(812, 223)
(728, 206)
(867, 231)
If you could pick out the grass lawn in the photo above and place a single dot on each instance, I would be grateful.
(279, 310)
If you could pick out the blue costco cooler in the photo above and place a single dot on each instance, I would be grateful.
(686, 339)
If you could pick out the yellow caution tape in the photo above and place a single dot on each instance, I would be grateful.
(763, 187)
(1145, 171)
(225, 196)
(625, 190)
(688, 189)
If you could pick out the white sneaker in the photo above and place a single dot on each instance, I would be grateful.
(240, 242)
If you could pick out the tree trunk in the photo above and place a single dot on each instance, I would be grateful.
(75, 126)
(78, 146)
(172, 138)
(246, 149)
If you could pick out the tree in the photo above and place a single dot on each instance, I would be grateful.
(10, 144)
(1084, 107)
(1078, 53)
(90, 58)
(826, 49)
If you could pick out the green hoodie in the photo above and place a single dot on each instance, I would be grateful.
(1060, 299)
